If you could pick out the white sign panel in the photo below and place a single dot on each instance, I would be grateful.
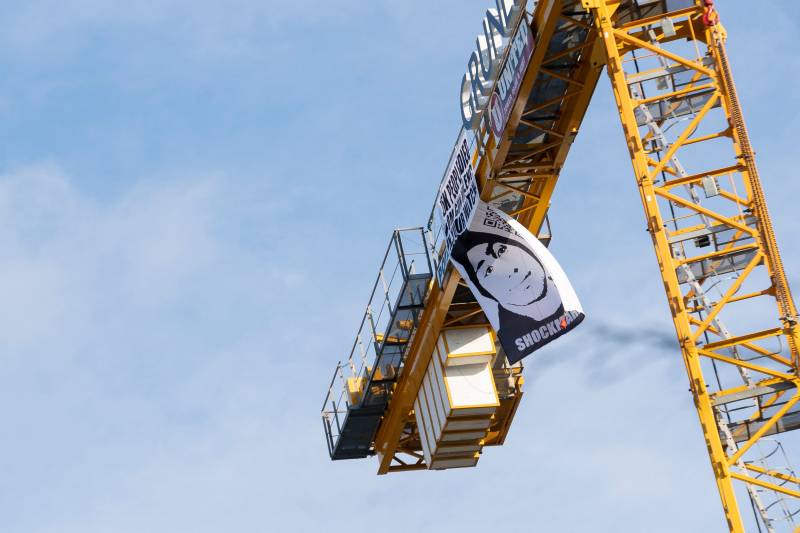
(455, 204)
(520, 286)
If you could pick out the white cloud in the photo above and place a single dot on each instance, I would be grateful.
(163, 373)
(68, 260)
(204, 31)
(165, 347)
(133, 329)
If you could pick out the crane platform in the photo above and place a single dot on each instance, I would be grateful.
(361, 387)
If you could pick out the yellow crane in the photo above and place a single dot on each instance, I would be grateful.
(694, 166)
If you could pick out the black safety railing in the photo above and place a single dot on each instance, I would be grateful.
(361, 386)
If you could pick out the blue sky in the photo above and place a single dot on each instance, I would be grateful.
(194, 199)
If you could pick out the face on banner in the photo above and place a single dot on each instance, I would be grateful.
(519, 285)
(510, 273)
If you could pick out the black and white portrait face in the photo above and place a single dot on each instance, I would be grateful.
(519, 285)
(511, 275)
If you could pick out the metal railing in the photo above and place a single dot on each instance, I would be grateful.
(375, 361)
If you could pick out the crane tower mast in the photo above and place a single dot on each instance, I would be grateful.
(694, 166)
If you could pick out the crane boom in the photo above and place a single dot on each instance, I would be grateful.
(705, 210)
(517, 172)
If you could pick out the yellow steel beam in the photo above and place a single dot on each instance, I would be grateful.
(733, 459)
(545, 18)
(537, 167)
(765, 484)
(416, 364)
(572, 114)
(612, 39)
(497, 158)
(697, 177)
(746, 155)
(732, 290)
(648, 21)
(690, 129)
(763, 384)
(688, 204)
(618, 41)
(742, 339)
(624, 36)
(674, 94)
(749, 345)
(720, 253)
(773, 473)
(745, 364)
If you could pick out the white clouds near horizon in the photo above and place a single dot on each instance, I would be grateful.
(194, 198)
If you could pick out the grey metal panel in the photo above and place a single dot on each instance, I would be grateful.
(742, 431)
(751, 393)
(723, 233)
(670, 71)
(718, 266)
(675, 107)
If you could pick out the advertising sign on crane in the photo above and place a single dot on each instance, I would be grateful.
(455, 203)
(510, 80)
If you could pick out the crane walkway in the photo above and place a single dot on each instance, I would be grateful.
(361, 387)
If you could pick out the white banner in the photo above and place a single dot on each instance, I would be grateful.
(516, 280)
(455, 203)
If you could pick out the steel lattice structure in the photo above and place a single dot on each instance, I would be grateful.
(694, 166)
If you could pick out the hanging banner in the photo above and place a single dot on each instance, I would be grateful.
(455, 203)
(516, 280)
(507, 90)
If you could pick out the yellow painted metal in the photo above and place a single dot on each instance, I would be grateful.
(387, 441)
(733, 459)
(539, 165)
(529, 172)
(683, 328)
(774, 473)
(758, 237)
(765, 484)
(355, 388)
(746, 156)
